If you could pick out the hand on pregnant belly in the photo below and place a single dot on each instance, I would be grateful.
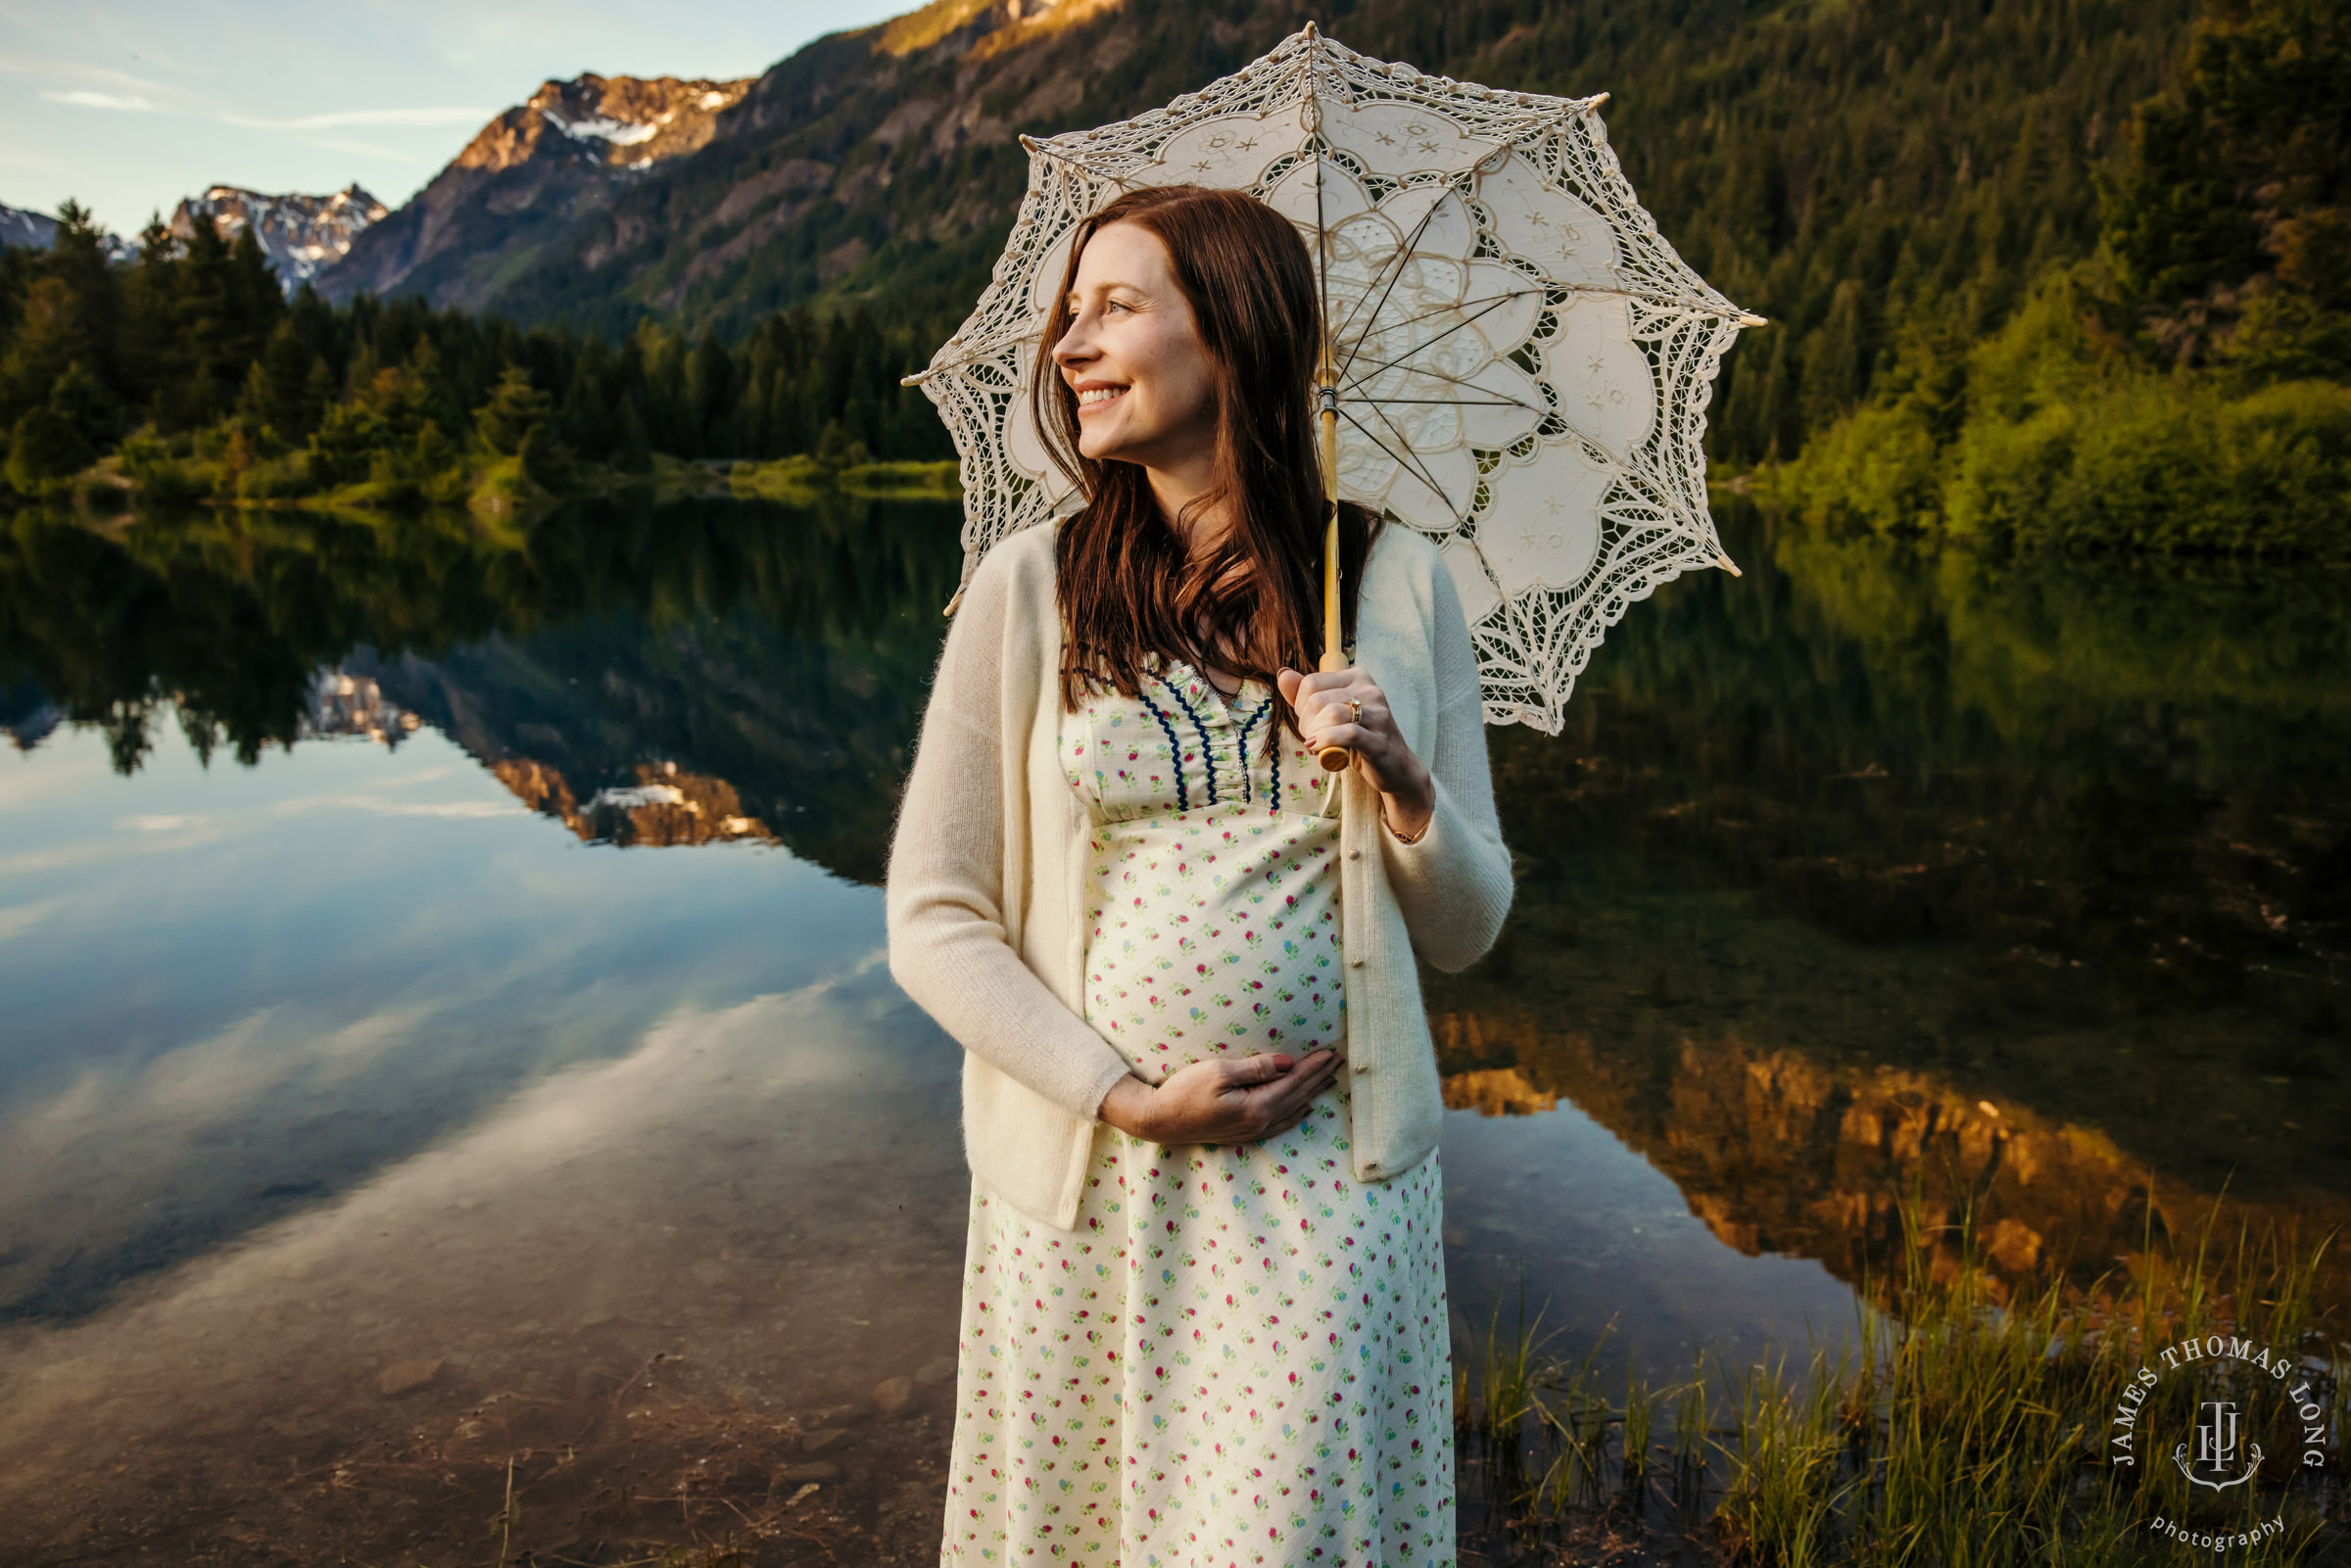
(1222, 1100)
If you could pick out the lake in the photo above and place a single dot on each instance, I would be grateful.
(453, 1097)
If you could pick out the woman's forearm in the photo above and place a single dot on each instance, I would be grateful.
(1127, 1107)
(1409, 808)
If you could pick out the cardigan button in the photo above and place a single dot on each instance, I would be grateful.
(1355, 963)
(1359, 1069)
(1355, 854)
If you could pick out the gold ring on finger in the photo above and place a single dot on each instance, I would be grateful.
(1355, 709)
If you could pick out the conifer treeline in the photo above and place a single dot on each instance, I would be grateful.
(190, 351)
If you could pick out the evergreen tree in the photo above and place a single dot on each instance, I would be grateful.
(514, 410)
(49, 445)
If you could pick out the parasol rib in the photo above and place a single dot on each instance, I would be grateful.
(1409, 461)
(1449, 380)
(1033, 335)
(1430, 316)
(1453, 403)
(1420, 347)
(1078, 163)
(1691, 303)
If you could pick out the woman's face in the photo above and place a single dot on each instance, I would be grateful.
(1144, 382)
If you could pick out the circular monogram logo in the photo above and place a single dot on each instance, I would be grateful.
(2207, 1417)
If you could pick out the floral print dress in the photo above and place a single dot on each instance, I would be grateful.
(1239, 1353)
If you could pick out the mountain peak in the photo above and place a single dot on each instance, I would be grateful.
(616, 121)
(37, 231)
(34, 231)
(301, 235)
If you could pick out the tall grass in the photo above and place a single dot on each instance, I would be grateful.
(1967, 1424)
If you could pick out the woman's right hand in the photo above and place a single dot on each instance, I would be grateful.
(1222, 1100)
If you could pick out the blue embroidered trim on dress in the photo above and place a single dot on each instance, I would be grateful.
(1208, 752)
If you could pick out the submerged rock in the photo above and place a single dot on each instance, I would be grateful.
(406, 1377)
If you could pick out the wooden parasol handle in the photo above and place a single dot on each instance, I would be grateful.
(1333, 758)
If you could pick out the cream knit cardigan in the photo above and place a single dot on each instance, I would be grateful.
(986, 881)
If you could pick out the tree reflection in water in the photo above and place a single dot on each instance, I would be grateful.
(1872, 870)
(1872, 867)
(780, 653)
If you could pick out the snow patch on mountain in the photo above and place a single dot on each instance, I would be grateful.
(620, 133)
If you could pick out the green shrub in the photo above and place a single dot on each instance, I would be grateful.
(2164, 466)
(45, 452)
(1878, 466)
(286, 477)
(2069, 443)
(162, 473)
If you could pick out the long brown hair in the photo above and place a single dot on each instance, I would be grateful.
(1126, 584)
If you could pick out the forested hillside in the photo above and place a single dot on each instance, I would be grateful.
(1853, 172)
(2184, 383)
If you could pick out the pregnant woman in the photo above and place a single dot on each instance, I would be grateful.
(1204, 1317)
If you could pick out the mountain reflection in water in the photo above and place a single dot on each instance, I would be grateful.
(1865, 873)
(1872, 870)
(786, 652)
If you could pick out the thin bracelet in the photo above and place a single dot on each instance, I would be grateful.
(1399, 837)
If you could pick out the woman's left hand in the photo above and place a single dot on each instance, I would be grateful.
(1408, 796)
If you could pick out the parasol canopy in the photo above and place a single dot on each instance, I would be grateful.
(1518, 362)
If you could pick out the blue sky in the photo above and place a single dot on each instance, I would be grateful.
(129, 105)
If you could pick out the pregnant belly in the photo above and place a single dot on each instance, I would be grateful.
(1219, 981)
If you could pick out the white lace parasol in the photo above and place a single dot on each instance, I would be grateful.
(1524, 363)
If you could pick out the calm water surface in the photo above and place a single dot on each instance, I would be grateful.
(450, 1085)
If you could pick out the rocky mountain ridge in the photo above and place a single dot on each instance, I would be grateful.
(558, 154)
(535, 172)
(301, 235)
(37, 231)
(806, 172)
(617, 122)
(34, 231)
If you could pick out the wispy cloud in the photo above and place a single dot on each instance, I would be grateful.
(377, 805)
(337, 144)
(372, 116)
(59, 68)
(24, 917)
(85, 98)
(126, 94)
(307, 128)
